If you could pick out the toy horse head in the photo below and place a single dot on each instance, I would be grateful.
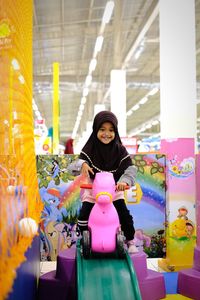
(103, 188)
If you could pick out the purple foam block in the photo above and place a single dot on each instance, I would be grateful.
(153, 286)
(66, 265)
(148, 280)
(189, 283)
(196, 265)
(51, 288)
(66, 270)
(140, 264)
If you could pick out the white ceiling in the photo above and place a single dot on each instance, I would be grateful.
(65, 31)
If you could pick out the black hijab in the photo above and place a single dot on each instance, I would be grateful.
(112, 157)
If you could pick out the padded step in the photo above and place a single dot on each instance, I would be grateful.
(66, 270)
(51, 288)
(197, 258)
(139, 261)
(61, 284)
(153, 286)
(189, 283)
(66, 265)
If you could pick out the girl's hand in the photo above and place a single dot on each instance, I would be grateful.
(85, 169)
(121, 186)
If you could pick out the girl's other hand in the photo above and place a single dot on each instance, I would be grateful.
(121, 186)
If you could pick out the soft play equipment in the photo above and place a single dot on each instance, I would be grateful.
(88, 276)
(95, 273)
(104, 237)
(189, 279)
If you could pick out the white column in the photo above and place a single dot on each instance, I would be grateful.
(98, 108)
(177, 69)
(118, 98)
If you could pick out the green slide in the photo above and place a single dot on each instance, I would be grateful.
(106, 278)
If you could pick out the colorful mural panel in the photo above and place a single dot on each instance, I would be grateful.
(181, 219)
(149, 214)
(60, 193)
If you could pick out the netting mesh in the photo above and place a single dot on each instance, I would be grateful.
(19, 194)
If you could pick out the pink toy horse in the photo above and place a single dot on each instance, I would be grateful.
(104, 234)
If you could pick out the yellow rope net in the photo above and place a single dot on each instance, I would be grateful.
(19, 194)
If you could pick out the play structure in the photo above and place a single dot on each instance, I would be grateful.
(150, 177)
(100, 278)
(100, 267)
(104, 236)
(189, 279)
(60, 193)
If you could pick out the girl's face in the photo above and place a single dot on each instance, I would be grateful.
(106, 133)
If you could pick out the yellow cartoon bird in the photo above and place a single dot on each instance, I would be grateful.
(178, 228)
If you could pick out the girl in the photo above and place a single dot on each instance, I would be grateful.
(104, 152)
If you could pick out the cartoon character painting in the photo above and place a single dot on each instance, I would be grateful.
(56, 237)
(182, 227)
(68, 235)
(181, 169)
(141, 239)
(52, 210)
(182, 213)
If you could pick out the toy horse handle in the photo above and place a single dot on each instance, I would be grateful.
(89, 186)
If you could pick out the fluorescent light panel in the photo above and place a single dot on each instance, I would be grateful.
(108, 12)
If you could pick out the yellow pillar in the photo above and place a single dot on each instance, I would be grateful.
(56, 110)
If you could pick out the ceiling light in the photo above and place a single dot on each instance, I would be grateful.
(129, 113)
(98, 45)
(108, 12)
(78, 120)
(80, 112)
(85, 92)
(81, 107)
(143, 100)
(92, 65)
(88, 80)
(139, 50)
(135, 107)
(153, 91)
(83, 100)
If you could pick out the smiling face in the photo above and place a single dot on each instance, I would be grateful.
(106, 133)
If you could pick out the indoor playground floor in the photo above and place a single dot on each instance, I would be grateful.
(152, 263)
